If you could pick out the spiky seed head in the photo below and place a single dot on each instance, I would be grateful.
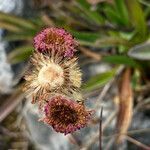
(75, 76)
(51, 73)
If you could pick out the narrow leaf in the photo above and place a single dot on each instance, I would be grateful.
(125, 105)
(86, 36)
(119, 59)
(19, 36)
(16, 20)
(112, 41)
(113, 16)
(137, 18)
(92, 14)
(122, 11)
(105, 42)
(9, 27)
(99, 80)
(20, 54)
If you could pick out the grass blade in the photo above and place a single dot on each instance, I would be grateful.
(16, 20)
(20, 54)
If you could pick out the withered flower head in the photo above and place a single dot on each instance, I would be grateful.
(55, 39)
(52, 73)
(65, 115)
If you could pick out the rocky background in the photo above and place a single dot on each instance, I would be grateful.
(20, 129)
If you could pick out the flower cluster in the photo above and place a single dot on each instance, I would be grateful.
(55, 39)
(65, 115)
(54, 81)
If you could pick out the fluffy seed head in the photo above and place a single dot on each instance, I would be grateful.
(55, 39)
(65, 115)
(75, 75)
(51, 74)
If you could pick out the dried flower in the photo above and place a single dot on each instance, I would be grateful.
(55, 39)
(65, 115)
(75, 75)
(74, 96)
(52, 73)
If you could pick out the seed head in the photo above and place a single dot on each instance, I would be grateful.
(51, 74)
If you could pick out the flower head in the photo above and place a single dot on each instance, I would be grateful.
(51, 73)
(55, 39)
(65, 115)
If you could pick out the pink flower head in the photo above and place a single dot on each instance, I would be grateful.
(65, 115)
(55, 39)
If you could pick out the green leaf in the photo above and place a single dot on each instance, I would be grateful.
(140, 52)
(113, 16)
(99, 80)
(137, 18)
(117, 13)
(92, 14)
(119, 59)
(8, 18)
(112, 41)
(86, 36)
(18, 37)
(23, 36)
(20, 54)
(10, 27)
(122, 11)
(106, 42)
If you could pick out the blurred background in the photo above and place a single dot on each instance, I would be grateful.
(114, 55)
